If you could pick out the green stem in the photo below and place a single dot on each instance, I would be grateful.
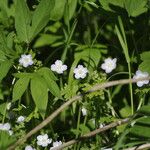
(131, 90)
(84, 122)
(63, 57)
(5, 110)
(78, 123)
(140, 103)
(110, 102)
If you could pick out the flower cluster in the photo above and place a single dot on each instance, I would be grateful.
(139, 74)
(6, 127)
(44, 141)
(26, 60)
(80, 71)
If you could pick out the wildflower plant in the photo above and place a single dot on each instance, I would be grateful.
(63, 69)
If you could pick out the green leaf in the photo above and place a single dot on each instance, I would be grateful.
(135, 7)
(3, 108)
(125, 111)
(91, 55)
(22, 20)
(69, 10)
(144, 66)
(41, 16)
(4, 68)
(106, 4)
(39, 93)
(50, 81)
(145, 109)
(58, 10)
(141, 131)
(46, 39)
(6, 140)
(20, 87)
(23, 75)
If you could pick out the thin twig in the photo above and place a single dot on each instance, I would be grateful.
(69, 102)
(93, 133)
(141, 147)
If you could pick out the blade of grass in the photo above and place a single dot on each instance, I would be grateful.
(122, 39)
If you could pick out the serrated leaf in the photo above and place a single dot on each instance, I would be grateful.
(41, 16)
(20, 87)
(39, 92)
(144, 66)
(44, 71)
(91, 55)
(135, 7)
(50, 81)
(22, 20)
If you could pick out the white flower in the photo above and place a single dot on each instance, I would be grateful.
(6, 127)
(80, 72)
(101, 125)
(140, 74)
(84, 111)
(109, 65)
(28, 147)
(58, 67)
(43, 140)
(55, 144)
(20, 119)
(26, 60)
(10, 132)
(8, 106)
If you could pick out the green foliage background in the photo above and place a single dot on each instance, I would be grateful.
(76, 32)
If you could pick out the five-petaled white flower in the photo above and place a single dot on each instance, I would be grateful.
(55, 144)
(58, 67)
(6, 127)
(109, 65)
(140, 74)
(20, 119)
(43, 140)
(80, 72)
(28, 147)
(26, 60)
(84, 111)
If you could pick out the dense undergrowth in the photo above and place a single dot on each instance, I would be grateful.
(53, 50)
